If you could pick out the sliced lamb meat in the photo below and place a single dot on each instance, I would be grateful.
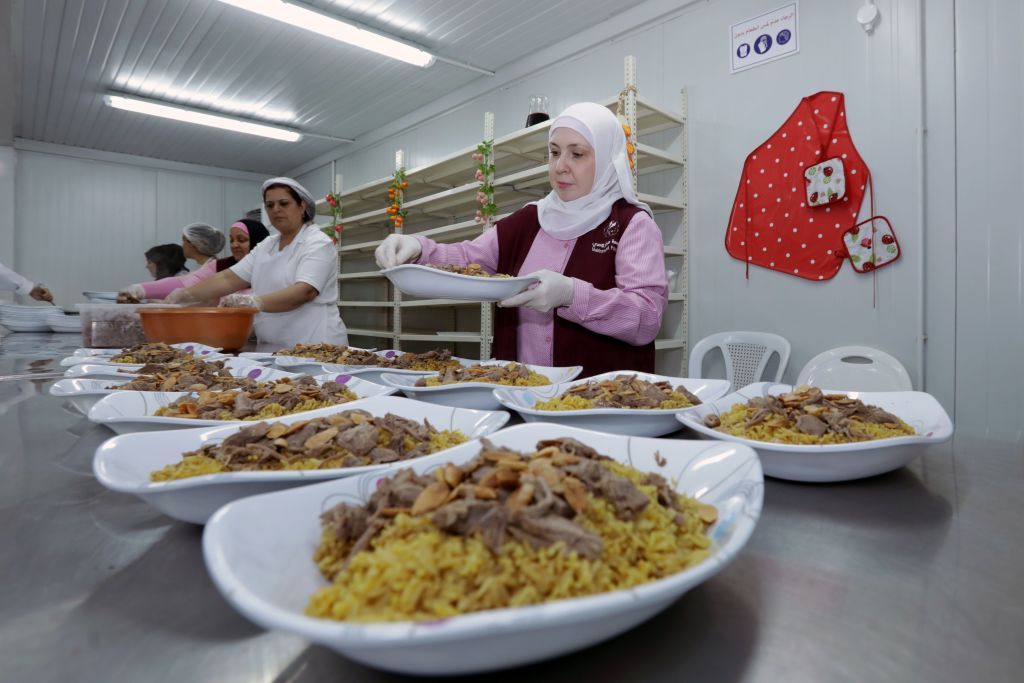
(360, 439)
(348, 522)
(247, 434)
(382, 455)
(547, 531)
(809, 424)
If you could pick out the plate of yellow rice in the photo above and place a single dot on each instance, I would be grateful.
(655, 400)
(168, 469)
(818, 435)
(478, 391)
(142, 411)
(492, 610)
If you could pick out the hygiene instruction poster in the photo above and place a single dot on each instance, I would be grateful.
(764, 38)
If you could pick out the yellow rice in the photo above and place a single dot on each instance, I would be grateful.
(734, 420)
(413, 571)
(198, 465)
(569, 401)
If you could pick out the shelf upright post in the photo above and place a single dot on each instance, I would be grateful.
(336, 188)
(684, 270)
(486, 307)
(396, 294)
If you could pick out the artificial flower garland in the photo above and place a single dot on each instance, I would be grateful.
(484, 156)
(334, 201)
(396, 197)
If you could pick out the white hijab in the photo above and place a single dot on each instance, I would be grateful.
(612, 177)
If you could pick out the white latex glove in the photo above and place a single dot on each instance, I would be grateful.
(396, 250)
(181, 296)
(553, 291)
(241, 301)
(134, 292)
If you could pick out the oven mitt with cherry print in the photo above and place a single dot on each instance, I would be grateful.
(825, 182)
(871, 244)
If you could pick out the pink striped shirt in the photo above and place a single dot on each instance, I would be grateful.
(630, 312)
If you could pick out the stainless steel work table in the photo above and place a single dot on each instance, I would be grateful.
(912, 576)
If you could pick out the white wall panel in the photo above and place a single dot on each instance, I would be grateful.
(318, 181)
(990, 237)
(182, 199)
(82, 224)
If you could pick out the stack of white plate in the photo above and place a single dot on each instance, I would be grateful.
(59, 321)
(100, 297)
(25, 318)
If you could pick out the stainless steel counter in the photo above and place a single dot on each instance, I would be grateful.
(912, 576)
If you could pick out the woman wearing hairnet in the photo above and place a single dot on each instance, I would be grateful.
(293, 275)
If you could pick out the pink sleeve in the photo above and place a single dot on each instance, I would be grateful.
(482, 250)
(632, 310)
(159, 289)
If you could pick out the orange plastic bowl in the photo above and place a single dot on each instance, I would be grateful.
(227, 328)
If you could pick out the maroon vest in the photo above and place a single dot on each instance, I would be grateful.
(592, 260)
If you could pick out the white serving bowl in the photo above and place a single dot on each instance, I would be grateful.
(121, 370)
(836, 462)
(103, 356)
(259, 552)
(433, 283)
(132, 411)
(370, 373)
(631, 422)
(124, 463)
(472, 394)
(85, 391)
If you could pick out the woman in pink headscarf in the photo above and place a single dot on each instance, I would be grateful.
(592, 243)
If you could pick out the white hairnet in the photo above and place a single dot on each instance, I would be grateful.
(309, 204)
(205, 238)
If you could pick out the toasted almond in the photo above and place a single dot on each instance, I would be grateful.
(485, 493)
(452, 475)
(320, 438)
(281, 442)
(276, 430)
(430, 498)
(563, 458)
(197, 387)
(575, 494)
(707, 513)
(282, 388)
(521, 497)
(168, 384)
(394, 512)
(542, 467)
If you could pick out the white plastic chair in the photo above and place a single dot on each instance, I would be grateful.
(746, 355)
(855, 368)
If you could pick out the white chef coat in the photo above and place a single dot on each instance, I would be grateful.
(12, 281)
(310, 258)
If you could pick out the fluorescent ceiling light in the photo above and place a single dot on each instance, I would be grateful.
(337, 29)
(176, 113)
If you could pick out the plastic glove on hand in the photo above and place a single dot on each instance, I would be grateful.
(131, 293)
(41, 293)
(181, 296)
(553, 291)
(241, 301)
(396, 250)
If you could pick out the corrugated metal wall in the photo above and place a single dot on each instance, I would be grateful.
(85, 225)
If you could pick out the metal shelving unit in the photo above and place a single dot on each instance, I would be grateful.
(441, 202)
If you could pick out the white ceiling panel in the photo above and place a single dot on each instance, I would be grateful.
(209, 55)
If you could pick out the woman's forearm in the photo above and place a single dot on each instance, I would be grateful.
(289, 298)
(221, 284)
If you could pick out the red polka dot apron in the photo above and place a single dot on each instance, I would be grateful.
(780, 219)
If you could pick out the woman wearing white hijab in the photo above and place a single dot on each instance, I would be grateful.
(591, 241)
(293, 275)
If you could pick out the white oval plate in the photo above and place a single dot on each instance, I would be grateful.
(111, 370)
(204, 353)
(370, 373)
(132, 411)
(199, 349)
(124, 463)
(30, 325)
(259, 553)
(631, 422)
(472, 394)
(423, 281)
(836, 462)
(84, 392)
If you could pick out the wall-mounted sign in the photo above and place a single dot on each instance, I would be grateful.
(764, 38)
